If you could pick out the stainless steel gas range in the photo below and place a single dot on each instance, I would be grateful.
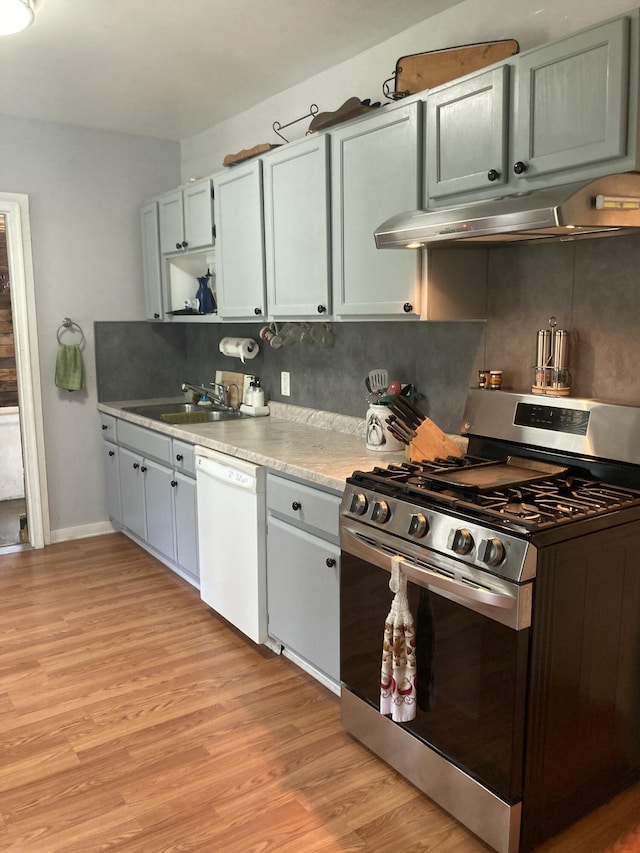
(521, 562)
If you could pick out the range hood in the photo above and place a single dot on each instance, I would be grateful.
(604, 207)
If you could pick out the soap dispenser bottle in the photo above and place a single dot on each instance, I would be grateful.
(257, 394)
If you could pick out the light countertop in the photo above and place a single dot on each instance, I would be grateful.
(323, 448)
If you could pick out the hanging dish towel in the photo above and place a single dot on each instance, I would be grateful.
(69, 367)
(398, 677)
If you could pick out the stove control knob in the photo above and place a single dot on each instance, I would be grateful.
(491, 552)
(418, 525)
(380, 512)
(359, 503)
(460, 541)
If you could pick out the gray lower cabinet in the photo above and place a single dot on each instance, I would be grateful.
(156, 494)
(110, 454)
(303, 572)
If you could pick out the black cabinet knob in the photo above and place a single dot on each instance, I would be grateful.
(321, 309)
(407, 308)
(330, 562)
(156, 316)
(179, 457)
(135, 466)
(493, 175)
(178, 245)
(112, 453)
(257, 311)
(295, 506)
(104, 426)
(184, 244)
(143, 468)
(174, 483)
(519, 168)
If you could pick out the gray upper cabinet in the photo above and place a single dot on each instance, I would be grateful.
(467, 134)
(572, 101)
(240, 272)
(563, 113)
(186, 218)
(296, 213)
(375, 174)
(151, 261)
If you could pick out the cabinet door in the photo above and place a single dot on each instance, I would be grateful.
(112, 480)
(198, 214)
(375, 174)
(132, 492)
(151, 261)
(186, 513)
(571, 104)
(467, 134)
(240, 276)
(158, 494)
(171, 222)
(296, 219)
(303, 595)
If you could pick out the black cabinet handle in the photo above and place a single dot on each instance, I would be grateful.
(321, 309)
(257, 311)
(156, 316)
(407, 308)
(519, 168)
(330, 562)
(174, 483)
(295, 506)
(135, 466)
(112, 453)
(178, 245)
(184, 244)
(493, 175)
(143, 468)
(104, 426)
(179, 457)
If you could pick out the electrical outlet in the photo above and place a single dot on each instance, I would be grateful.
(285, 387)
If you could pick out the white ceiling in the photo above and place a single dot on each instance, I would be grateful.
(172, 68)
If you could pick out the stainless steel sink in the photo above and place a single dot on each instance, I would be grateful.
(183, 413)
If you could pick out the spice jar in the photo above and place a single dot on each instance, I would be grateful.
(483, 378)
(495, 380)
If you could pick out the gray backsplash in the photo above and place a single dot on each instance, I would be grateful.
(589, 286)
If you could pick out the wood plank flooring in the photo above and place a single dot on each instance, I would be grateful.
(133, 720)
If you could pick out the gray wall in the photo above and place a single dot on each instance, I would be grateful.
(85, 188)
(436, 357)
(589, 286)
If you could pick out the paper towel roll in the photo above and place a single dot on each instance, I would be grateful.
(242, 348)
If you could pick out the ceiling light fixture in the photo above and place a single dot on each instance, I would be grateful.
(15, 15)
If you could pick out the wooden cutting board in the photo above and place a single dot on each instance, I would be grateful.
(426, 70)
(228, 378)
(431, 441)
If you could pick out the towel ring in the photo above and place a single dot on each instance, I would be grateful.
(69, 326)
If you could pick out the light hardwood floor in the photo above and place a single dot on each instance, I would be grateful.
(133, 720)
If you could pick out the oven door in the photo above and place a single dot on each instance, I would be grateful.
(472, 653)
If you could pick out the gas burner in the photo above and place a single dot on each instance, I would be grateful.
(521, 510)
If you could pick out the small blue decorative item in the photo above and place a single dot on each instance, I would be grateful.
(206, 301)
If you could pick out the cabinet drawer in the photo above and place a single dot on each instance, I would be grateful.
(309, 507)
(108, 426)
(183, 457)
(145, 441)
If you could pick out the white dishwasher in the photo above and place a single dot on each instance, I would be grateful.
(232, 540)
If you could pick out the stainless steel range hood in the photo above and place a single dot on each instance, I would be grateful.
(604, 207)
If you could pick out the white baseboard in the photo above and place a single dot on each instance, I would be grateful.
(65, 534)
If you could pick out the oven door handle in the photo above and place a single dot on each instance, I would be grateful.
(510, 609)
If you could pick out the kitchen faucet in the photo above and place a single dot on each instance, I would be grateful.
(216, 393)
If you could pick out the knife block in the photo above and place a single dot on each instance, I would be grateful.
(431, 442)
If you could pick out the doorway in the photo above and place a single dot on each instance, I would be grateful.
(23, 474)
(13, 518)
